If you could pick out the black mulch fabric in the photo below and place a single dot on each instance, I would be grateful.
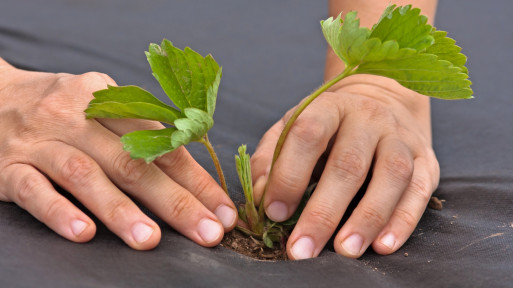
(272, 54)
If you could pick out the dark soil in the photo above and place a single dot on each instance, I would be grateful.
(435, 203)
(249, 246)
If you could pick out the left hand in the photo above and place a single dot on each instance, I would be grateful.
(368, 124)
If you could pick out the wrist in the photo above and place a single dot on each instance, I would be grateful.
(5, 70)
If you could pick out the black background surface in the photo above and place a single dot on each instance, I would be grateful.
(272, 53)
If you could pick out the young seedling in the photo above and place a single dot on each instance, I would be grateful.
(401, 46)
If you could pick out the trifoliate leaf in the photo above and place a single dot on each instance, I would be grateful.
(192, 128)
(130, 102)
(148, 144)
(189, 80)
(401, 46)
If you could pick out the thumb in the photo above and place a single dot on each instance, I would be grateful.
(262, 159)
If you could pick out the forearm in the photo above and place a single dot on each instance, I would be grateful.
(4, 67)
(4, 64)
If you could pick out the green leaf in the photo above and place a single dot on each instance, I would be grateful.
(405, 26)
(346, 37)
(401, 46)
(130, 102)
(423, 73)
(446, 49)
(268, 241)
(192, 128)
(242, 213)
(356, 45)
(189, 80)
(331, 31)
(243, 165)
(148, 144)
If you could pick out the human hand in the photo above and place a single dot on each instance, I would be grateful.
(45, 136)
(368, 124)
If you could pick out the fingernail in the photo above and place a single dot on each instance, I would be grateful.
(141, 232)
(303, 248)
(209, 230)
(226, 215)
(353, 244)
(388, 240)
(78, 226)
(277, 211)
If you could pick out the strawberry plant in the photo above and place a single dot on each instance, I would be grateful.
(401, 46)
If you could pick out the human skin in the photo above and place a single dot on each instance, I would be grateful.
(365, 124)
(45, 135)
(363, 120)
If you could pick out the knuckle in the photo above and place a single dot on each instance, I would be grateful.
(91, 77)
(52, 210)
(287, 115)
(406, 217)
(421, 189)
(176, 159)
(349, 165)
(434, 165)
(118, 209)
(284, 180)
(181, 204)
(27, 187)
(310, 132)
(261, 157)
(79, 169)
(202, 187)
(372, 217)
(127, 170)
(372, 109)
(323, 217)
(399, 166)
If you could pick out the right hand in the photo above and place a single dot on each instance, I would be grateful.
(44, 135)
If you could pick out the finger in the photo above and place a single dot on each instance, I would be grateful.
(410, 208)
(306, 142)
(184, 170)
(346, 169)
(391, 176)
(153, 188)
(262, 158)
(83, 178)
(32, 191)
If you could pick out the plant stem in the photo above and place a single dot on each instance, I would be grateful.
(217, 164)
(283, 136)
